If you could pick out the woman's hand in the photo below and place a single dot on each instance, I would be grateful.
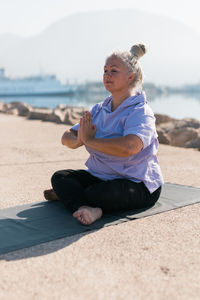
(86, 129)
(70, 139)
(79, 140)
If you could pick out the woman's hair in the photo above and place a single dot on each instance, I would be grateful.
(130, 59)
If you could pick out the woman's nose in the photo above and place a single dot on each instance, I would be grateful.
(108, 74)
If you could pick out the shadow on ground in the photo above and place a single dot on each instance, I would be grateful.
(47, 226)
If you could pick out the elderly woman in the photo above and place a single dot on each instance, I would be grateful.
(122, 172)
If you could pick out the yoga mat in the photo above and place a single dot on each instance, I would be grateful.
(32, 224)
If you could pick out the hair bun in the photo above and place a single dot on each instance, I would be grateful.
(138, 50)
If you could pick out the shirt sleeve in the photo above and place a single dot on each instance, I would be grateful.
(93, 111)
(142, 124)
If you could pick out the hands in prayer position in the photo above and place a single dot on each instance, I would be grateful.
(86, 130)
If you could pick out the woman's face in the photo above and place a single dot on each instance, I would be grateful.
(116, 77)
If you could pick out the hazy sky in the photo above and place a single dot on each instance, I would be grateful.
(29, 17)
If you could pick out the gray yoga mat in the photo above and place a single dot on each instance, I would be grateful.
(36, 223)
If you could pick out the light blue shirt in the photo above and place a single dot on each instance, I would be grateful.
(133, 116)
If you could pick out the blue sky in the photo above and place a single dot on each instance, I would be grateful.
(29, 17)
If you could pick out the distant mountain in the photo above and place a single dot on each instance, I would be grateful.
(76, 47)
(8, 41)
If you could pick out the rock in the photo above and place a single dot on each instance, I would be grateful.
(3, 106)
(17, 108)
(179, 137)
(193, 143)
(12, 111)
(163, 119)
(163, 138)
(62, 106)
(188, 122)
(43, 114)
(22, 108)
(177, 132)
(74, 115)
(59, 114)
(68, 115)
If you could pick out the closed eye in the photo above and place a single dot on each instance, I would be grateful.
(112, 71)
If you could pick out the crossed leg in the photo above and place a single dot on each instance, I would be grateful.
(87, 197)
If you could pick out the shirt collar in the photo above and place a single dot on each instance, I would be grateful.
(130, 101)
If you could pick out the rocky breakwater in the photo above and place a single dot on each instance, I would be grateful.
(62, 114)
(180, 133)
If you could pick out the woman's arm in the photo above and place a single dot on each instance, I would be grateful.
(71, 139)
(123, 146)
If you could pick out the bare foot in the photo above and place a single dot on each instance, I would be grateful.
(50, 195)
(88, 215)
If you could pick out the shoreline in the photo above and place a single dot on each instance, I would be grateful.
(35, 148)
(175, 132)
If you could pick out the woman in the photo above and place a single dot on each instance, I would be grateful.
(120, 135)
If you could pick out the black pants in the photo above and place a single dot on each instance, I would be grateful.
(78, 187)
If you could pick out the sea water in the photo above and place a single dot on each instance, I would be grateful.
(175, 105)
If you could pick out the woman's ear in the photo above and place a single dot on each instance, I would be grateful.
(131, 78)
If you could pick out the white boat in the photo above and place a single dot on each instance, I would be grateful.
(41, 85)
